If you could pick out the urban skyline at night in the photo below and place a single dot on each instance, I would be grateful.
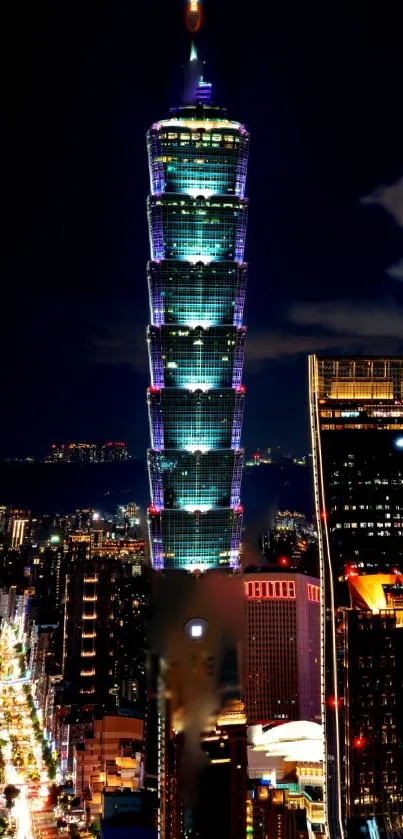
(328, 274)
(201, 633)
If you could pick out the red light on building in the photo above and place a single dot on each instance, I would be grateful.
(313, 593)
(334, 703)
(153, 389)
(256, 456)
(153, 510)
(283, 560)
(241, 389)
(323, 515)
(350, 571)
(270, 590)
(359, 742)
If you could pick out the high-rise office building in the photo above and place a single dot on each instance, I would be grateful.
(282, 646)
(357, 434)
(87, 645)
(106, 596)
(103, 659)
(197, 214)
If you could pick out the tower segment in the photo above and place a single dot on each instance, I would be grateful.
(197, 212)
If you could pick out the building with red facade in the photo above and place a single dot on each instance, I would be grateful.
(281, 656)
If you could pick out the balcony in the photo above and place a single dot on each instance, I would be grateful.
(87, 672)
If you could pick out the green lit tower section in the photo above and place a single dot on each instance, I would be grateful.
(197, 214)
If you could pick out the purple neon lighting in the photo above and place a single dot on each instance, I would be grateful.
(156, 362)
(157, 312)
(157, 490)
(242, 170)
(240, 234)
(237, 424)
(157, 552)
(236, 540)
(240, 296)
(156, 424)
(157, 308)
(236, 481)
(239, 357)
(157, 177)
(157, 244)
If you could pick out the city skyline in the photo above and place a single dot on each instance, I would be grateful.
(266, 693)
(323, 260)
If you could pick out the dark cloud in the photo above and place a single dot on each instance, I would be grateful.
(277, 345)
(356, 318)
(395, 271)
(331, 326)
(390, 197)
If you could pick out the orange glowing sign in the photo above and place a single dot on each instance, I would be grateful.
(194, 15)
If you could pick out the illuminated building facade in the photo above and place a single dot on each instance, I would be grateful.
(110, 757)
(103, 658)
(105, 603)
(282, 646)
(87, 648)
(17, 537)
(357, 433)
(197, 214)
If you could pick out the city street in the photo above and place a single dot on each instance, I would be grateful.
(25, 763)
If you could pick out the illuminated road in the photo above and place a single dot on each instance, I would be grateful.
(24, 765)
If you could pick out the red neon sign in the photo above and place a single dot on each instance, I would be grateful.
(270, 590)
(313, 593)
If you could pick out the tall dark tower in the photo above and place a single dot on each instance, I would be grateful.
(357, 441)
(197, 214)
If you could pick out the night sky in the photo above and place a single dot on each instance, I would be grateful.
(320, 88)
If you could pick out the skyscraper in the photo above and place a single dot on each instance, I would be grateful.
(87, 648)
(357, 434)
(282, 646)
(197, 214)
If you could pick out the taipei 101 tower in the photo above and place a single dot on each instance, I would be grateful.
(197, 214)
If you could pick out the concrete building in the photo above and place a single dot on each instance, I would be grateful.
(110, 755)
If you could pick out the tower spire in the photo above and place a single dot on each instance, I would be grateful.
(193, 52)
(195, 90)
